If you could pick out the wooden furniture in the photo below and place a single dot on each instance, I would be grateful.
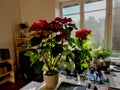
(19, 39)
(6, 71)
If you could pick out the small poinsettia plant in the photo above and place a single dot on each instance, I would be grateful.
(83, 52)
(49, 42)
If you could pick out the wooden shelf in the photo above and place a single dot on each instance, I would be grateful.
(4, 74)
(2, 61)
(8, 60)
(6, 79)
(19, 40)
(8, 75)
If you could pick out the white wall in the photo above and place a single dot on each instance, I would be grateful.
(13, 12)
(33, 10)
(9, 15)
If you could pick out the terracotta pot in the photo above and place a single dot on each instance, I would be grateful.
(51, 81)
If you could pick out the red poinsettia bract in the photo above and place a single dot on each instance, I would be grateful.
(64, 20)
(82, 34)
(43, 28)
(40, 25)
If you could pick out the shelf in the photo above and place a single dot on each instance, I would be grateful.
(18, 41)
(2, 61)
(8, 75)
(6, 79)
(4, 74)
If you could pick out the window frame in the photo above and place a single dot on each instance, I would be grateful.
(108, 18)
(68, 3)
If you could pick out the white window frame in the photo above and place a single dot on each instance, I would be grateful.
(108, 19)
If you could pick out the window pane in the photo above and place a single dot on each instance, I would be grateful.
(95, 5)
(116, 26)
(76, 20)
(96, 22)
(73, 9)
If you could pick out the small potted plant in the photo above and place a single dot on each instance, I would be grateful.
(83, 53)
(102, 55)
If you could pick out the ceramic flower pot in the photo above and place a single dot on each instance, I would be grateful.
(51, 81)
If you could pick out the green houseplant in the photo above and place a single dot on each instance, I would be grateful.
(101, 56)
(83, 52)
(103, 53)
(49, 43)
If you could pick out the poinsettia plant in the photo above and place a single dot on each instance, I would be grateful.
(49, 42)
(83, 53)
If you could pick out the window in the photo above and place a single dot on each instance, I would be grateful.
(73, 12)
(116, 26)
(91, 14)
(95, 13)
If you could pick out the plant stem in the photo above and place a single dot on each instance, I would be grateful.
(46, 62)
(58, 57)
(57, 60)
(51, 47)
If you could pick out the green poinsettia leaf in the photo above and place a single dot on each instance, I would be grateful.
(35, 41)
(71, 42)
(34, 58)
(77, 41)
(38, 67)
(25, 44)
(68, 65)
(45, 67)
(74, 26)
(57, 49)
(71, 56)
(29, 53)
(85, 65)
(66, 52)
(32, 53)
(70, 28)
